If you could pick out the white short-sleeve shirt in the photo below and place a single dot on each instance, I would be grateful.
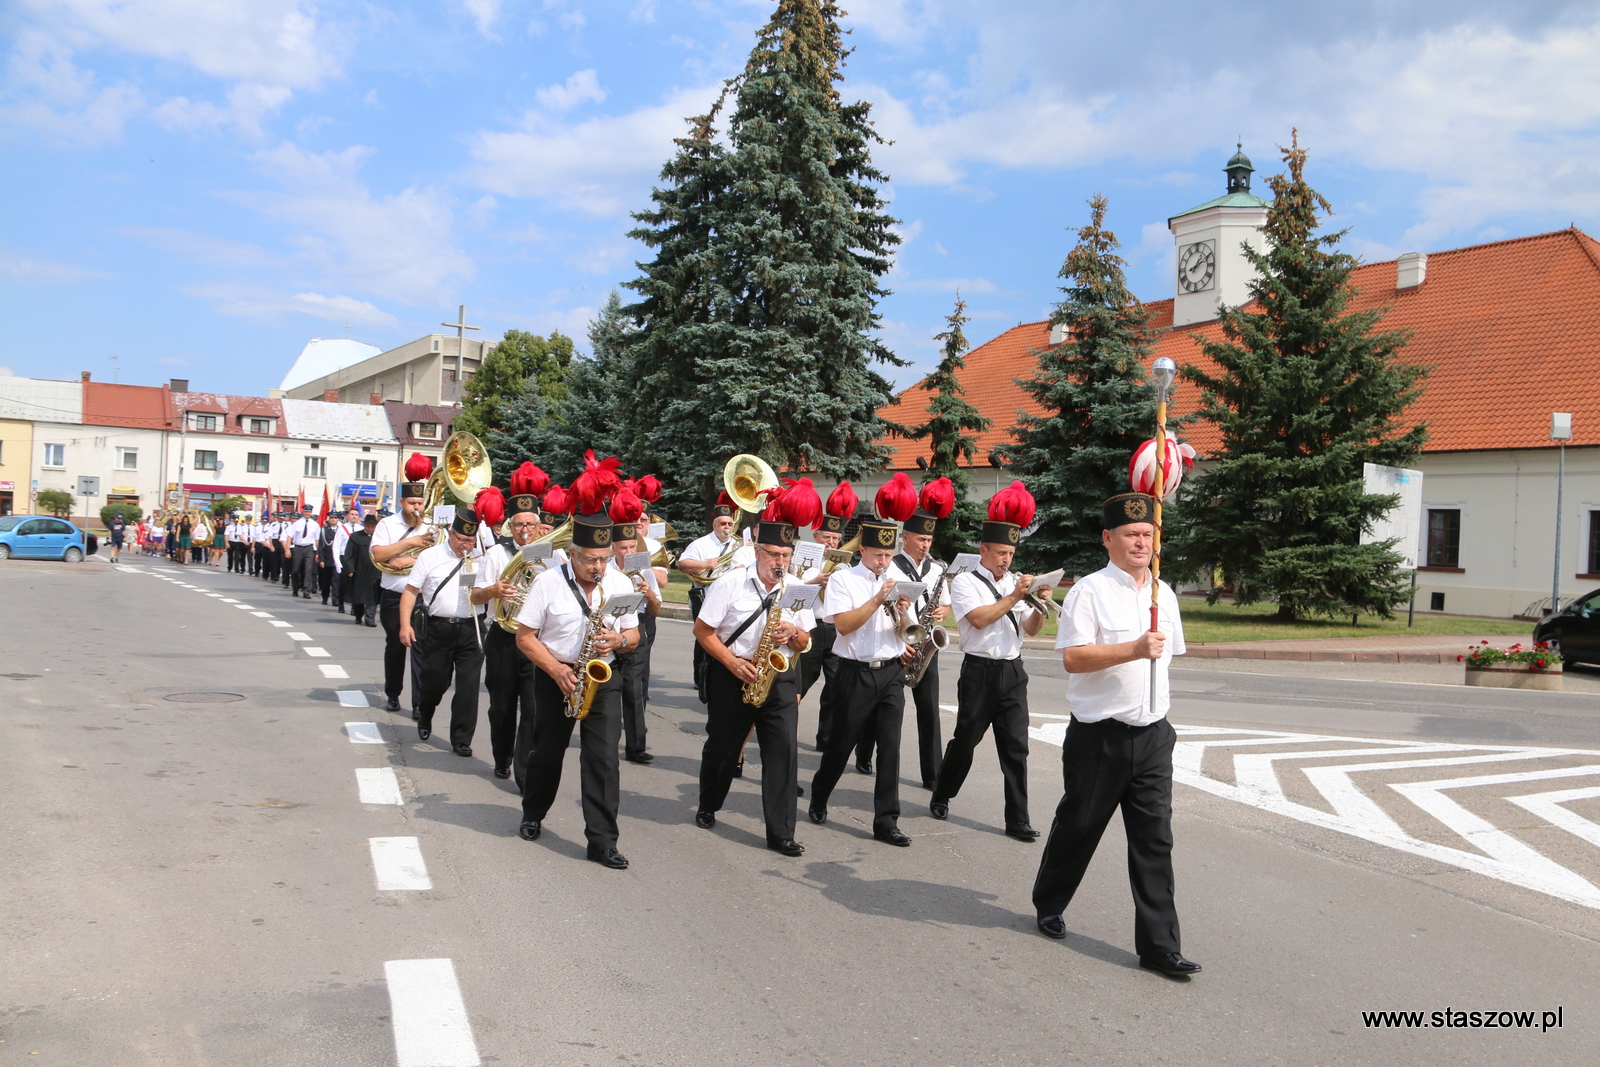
(1001, 639)
(878, 638)
(733, 598)
(387, 532)
(903, 569)
(1109, 608)
(433, 570)
(552, 609)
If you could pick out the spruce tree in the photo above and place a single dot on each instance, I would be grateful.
(518, 358)
(1097, 405)
(1305, 392)
(760, 308)
(949, 433)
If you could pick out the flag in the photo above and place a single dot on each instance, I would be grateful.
(322, 516)
(361, 512)
(300, 500)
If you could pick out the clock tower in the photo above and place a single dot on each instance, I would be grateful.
(1211, 267)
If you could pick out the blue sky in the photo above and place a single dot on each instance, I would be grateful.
(197, 187)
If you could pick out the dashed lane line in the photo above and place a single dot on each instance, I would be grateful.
(297, 635)
(430, 1022)
(333, 670)
(363, 733)
(378, 785)
(281, 623)
(318, 653)
(353, 698)
(397, 864)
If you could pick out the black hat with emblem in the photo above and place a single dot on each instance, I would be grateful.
(522, 502)
(465, 522)
(591, 531)
(875, 533)
(1010, 512)
(1126, 508)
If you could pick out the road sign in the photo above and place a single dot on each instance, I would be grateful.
(1403, 523)
(88, 485)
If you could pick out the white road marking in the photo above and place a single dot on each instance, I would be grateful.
(332, 670)
(296, 635)
(431, 1028)
(1548, 806)
(378, 785)
(948, 707)
(226, 600)
(262, 614)
(397, 863)
(245, 607)
(285, 625)
(318, 653)
(363, 733)
(353, 698)
(216, 595)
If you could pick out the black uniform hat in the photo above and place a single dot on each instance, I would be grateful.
(523, 502)
(1126, 508)
(465, 522)
(591, 531)
(878, 534)
(921, 522)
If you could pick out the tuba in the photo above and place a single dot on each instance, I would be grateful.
(462, 474)
(745, 478)
(521, 573)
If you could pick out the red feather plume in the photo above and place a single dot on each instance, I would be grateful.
(1013, 504)
(418, 467)
(896, 499)
(649, 488)
(529, 480)
(938, 498)
(490, 504)
(842, 502)
(724, 499)
(626, 507)
(557, 501)
(598, 483)
(799, 504)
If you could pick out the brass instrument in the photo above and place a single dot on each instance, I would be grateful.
(661, 557)
(723, 564)
(463, 473)
(769, 659)
(521, 572)
(593, 672)
(746, 477)
(937, 636)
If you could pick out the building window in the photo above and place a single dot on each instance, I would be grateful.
(436, 344)
(260, 425)
(55, 455)
(205, 460)
(316, 466)
(428, 429)
(127, 459)
(258, 463)
(1444, 537)
(366, 470)
(204, 422)
(1594, 543)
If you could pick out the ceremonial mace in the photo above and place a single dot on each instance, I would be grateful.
(1165, 372)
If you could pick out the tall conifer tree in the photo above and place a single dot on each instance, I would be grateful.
(518, 357)
(952, 421)
(759, 310)
(1305, 392)
(1098, 406)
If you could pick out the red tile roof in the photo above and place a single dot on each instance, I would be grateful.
(1510, 332)
(142, 406)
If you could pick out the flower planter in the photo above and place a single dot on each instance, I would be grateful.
(1516, 676)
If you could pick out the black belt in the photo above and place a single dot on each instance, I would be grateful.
(453, 620)
(874, 664)
(1117, 724)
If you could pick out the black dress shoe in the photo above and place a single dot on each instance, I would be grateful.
(939, 809)
(1022, 832)
(341, 609)
(1053, 926)
(416, 714)
(892, 836)
(530, 830)
(705, 819)
(608, 857)
(502, 772)
(799, 790)
(1172, 964)
(461, 748)
(788, 846)
(640, 757)
(424, 732)
(818, 815)
(392, 704)
(864, 768)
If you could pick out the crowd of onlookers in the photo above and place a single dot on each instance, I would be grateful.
(181, 536)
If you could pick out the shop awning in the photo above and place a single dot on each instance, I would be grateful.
(238, 490)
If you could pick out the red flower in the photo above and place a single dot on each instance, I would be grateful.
(1540, 664)
(1460, 658)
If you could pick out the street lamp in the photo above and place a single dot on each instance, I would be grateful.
(1165, 372)
(1560, 430)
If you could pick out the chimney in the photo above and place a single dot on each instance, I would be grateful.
(84, 375)
(330, 396)
(375, 399)
(180, 385)
(1058, 333)
(1412, 270)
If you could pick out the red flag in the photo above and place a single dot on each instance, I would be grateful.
(322, 516)
(300, 501)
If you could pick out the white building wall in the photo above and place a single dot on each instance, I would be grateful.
(93, 451)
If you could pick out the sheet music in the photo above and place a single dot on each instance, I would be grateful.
(909, 590)
(807, 554)
(963, 563)
(636, 561)
(623, 604)
(1052, 579)
(657, 530)
(799, 597)
(444, 514)
(537, 551)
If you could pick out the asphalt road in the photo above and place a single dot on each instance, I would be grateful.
(200, 882)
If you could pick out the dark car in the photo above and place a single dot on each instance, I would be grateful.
(1574, 631)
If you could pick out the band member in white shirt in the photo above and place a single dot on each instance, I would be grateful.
(342, 533)
(626, 510)
(719, 549)
(451, 650)
(992, 619)
(819, 660)
(734, 619)
(555, 621)
(915, 563)
(300, 542)
(1118, 748)
(508, 674)
(396, 542)
(871, 666)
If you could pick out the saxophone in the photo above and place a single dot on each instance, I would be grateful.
(935, 636)
(593, 672)
(770, 660)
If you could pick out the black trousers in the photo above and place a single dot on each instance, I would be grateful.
(635, 667)
(728, 723)
(697, 597)
(327, 583)
(258, 559)
(395, 654)
(1105, 765)
(869, 698)
(303, 568)
(990, 693)
(450, 654)
(818, 661)
(598, 777)
(508, 675)
(271, 561)
(929, 745)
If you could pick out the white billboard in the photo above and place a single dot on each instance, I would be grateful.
(1403, 523)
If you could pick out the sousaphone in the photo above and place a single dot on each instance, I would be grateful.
(463, 473)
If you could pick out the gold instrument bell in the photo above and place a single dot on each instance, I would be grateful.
(745, 478)
(463, 473)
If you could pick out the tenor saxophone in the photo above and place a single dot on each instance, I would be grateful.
(935, 635)
(593, 671)
(770, 660)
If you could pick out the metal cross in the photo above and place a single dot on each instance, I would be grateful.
(461, 328)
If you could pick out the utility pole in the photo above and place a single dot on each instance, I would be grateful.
(1560, 430)
(461, 329)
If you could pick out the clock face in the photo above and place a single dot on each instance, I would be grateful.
(1197, 266)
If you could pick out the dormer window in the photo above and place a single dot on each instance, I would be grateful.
(204, 422)
(429, 430)
(259, 425)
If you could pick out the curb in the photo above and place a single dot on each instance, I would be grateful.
(674, 611)
(1320, 655)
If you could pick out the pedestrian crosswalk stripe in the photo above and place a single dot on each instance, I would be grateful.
(430, 1022)
(398, 865)
(363, 733)
(378, 785)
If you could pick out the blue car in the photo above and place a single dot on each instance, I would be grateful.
(40, 537)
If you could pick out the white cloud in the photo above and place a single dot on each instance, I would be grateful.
(485, 13)
(48, 92)
(401, 246)
(580, 88)
(204, 248)
(27, 269)
(259, 302)
(602, 166)
(247, 106)
(942, 285)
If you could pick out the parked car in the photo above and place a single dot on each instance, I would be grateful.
(40, 537)
(1574, 631)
